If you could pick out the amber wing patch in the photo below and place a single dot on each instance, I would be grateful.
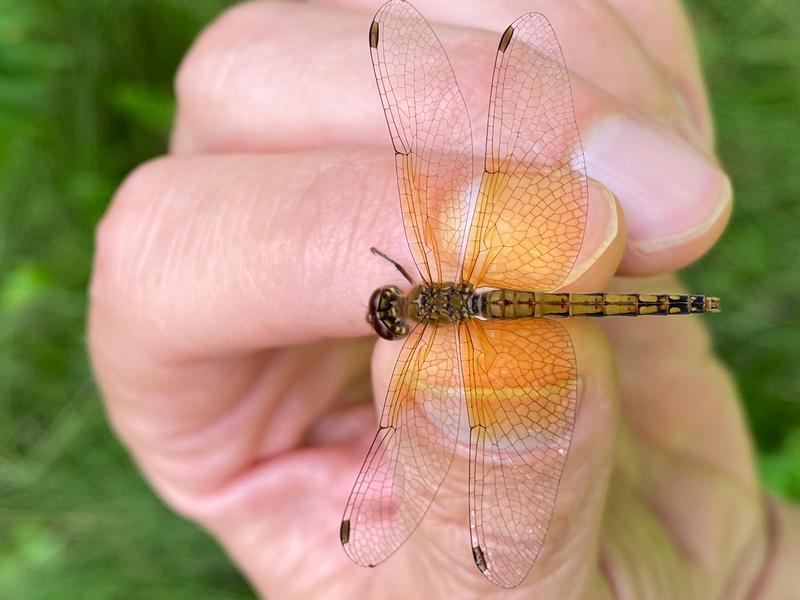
(530, 217)
(521, 388)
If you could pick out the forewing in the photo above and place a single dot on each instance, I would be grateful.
(521, 385)
(531, 209)
(412, 450)
(431, 134)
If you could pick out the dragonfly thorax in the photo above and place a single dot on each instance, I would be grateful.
(446, 302)
(390, 310)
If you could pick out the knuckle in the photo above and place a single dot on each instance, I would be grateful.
(122, 233)
(221, 49)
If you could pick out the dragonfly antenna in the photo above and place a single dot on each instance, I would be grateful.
(396, 264)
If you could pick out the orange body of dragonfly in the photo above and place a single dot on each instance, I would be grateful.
(480, 330)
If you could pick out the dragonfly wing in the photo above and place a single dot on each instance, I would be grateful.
(531, 209)
(412, 450)
(521, 386)
(431, 135)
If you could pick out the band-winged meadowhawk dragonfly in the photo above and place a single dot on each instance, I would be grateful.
(480, 327)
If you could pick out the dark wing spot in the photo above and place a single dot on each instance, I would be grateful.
(373, 35)
(344, 531)
(477, 552)
(504, 41)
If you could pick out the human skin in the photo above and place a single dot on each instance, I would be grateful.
(227, 327)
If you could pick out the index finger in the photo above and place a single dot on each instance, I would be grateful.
(251, 84)
(230, 254)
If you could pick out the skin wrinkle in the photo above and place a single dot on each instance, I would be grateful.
(628, 537)
(344, 376)
(213, 509)
(350, 410)
(204, 225)
(680, 445)
(448, 530)
(653, 506)
(676, 113)
(146, 232)
(174, 252)
(659, 566)
(774, 534)
(316, 238)
(606, 574)
(261, 254)
(316, 246)
(615, 545)
(241, 228)
(176, 258)
(372, 217)
(742, 565)
(195, 502)
(248, 264)
(255, 393)
(150, 436)
(704, 344)
(683, 73)
(364, 210)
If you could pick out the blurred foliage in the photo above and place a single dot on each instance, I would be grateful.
(86, 94)
(751, 56)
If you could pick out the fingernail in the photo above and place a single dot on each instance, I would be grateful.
(601, 229)
(670, 192)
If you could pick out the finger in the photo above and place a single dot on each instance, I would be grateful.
(221, 255)
(441, 543)
(676, 200)
(690, 458)
(780, 572)
(663, 28)
(594, 40)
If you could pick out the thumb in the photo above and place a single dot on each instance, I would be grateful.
(440, 551)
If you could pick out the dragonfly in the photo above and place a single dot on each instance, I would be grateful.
(480, 327)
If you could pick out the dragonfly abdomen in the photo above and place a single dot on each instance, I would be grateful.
(514, 304)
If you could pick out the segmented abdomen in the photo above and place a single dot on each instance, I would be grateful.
(513, 304)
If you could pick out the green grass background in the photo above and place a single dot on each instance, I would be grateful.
(85, 95)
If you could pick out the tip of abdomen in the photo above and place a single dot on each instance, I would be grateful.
(711, 304)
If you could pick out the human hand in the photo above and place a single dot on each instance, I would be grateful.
(231, 277)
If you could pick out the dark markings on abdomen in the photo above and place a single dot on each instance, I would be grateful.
(514, 304)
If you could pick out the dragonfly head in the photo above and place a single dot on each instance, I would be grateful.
(385, 314)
